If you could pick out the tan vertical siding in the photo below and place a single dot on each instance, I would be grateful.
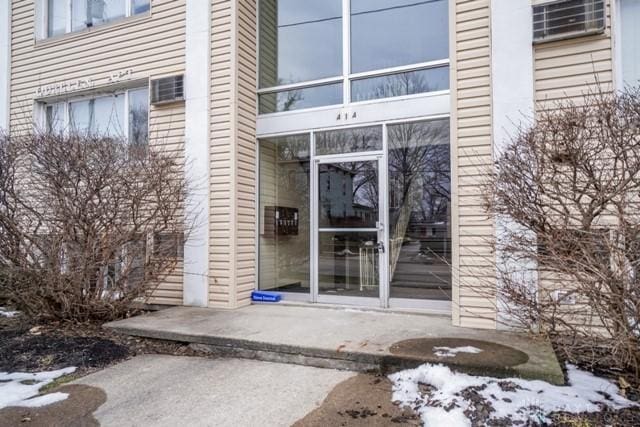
(568, 68)
(474, 272)
(563, 70)
(150, 45)
(233, 152)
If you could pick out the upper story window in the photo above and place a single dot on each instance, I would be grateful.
(630, 41)
(312, 55)
(65, 16)
(121, 115)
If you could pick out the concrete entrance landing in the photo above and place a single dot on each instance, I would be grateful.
(345, 339)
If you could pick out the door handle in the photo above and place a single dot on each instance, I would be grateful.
(380, 247)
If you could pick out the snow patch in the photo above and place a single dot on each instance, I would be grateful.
(513, 398)
(6, 313)
(452, 352)
(19, 388)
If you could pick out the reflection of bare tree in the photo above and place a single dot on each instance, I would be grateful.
(138, 125)
(349, 140)
(293, 97)
(401, 84)
(419, 164)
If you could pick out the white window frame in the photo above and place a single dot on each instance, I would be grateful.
(347, 76)
(67, 102)
(616, 35)
(44, 18)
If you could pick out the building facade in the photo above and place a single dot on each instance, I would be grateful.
(338, 146)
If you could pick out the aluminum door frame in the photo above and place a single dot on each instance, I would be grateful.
(381, 229)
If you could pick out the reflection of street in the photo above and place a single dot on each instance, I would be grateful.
(421, 274)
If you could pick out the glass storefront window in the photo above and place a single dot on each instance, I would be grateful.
(391, 33)
(349, 228)
(420, 210)
(299, 41)
(285, 230)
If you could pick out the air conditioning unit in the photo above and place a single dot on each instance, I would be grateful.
(567, 19)
(167, 90)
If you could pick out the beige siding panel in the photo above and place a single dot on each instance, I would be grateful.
(150, 46)
(233, 152)
(471, 130)
(566, 70)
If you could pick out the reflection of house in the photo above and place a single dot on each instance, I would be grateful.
(340, 198)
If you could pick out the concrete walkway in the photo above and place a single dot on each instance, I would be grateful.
(191, 391)
(342, 338)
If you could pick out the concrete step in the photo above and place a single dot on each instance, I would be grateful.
(347, 339)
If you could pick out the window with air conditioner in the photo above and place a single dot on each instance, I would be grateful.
(568, 19)
(167, 90)
(66, 16)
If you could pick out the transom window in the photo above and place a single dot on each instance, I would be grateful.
(65, 16)
(311, 55)
(120, 115)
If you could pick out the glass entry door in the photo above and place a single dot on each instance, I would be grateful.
(350, 234)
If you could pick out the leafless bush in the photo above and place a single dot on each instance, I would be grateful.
(89, 225)
(566, 192)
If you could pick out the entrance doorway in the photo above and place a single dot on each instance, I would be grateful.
(349, 243)
(358, 215)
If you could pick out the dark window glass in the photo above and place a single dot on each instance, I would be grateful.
(296, 99)
(140, 6)
(390, 33)
(409, 83)
(299, 41)
(139, 116)
(420, 210)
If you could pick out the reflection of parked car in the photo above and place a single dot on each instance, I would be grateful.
(434, 238)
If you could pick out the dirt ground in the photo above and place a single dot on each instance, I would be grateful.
(77, 410)
(363, 400)
(27, 347)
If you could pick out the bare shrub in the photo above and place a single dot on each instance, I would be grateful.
(566, 192)
(89, 225)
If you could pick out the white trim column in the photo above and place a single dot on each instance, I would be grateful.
(197, 57)
(5, 62)
(512, 68)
